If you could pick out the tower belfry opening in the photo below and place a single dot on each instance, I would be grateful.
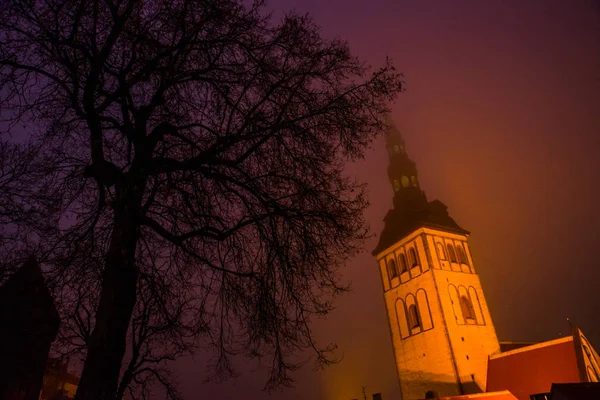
(441, 328)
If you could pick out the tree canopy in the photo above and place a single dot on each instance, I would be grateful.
(193, 151)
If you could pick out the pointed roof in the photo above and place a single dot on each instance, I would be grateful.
(411, 209)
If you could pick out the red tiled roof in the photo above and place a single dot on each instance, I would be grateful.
(533, 369)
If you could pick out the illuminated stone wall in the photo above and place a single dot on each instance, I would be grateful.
(446, 347)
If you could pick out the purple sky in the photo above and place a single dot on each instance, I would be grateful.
(502, 116)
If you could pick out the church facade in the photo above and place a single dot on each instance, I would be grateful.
(442, 331)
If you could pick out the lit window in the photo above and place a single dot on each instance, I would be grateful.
(462, 257)
(441, 251)
(392, 270)
(413, 317)
(467, 308)
(413, 179)
(396, 148)
(396, 185)
(451, 252)
(403, 264)
(412, 257)
(405, 182)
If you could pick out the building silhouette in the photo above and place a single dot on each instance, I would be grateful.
(28, 325)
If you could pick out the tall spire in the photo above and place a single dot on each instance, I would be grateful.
(411, 210)
(402, 172)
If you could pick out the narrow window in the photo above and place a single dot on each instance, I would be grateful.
(412, 257)
(403, 264)
(424, 312)
(402, 319)
(441, 251)
(392, 269)
(413, 179)
(396, 185)
(405, 182)
(462, 257)
(413, 317)
(467, 308)
(451, 253)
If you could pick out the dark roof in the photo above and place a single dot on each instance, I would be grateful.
(401, 221)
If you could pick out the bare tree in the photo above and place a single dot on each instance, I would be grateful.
(26, 204)
(202, 136)
(160, 332)
(162, 329)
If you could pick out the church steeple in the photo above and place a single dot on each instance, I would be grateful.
(402, 173)
(411, 209)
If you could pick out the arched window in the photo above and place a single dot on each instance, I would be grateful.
(413, 317)
(476, 305)
(451, 253)
(462, 257)
(392, 269)
(413, 180)
(402, 320)
(403, 264)
(467, 308)
(441, 252)
(424, 311)
(454, 300)
(412, 257)
(405, 182)
(396, 185)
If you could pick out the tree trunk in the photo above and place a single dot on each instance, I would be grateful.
(106, 348)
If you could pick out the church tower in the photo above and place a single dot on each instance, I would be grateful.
(441, 328)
